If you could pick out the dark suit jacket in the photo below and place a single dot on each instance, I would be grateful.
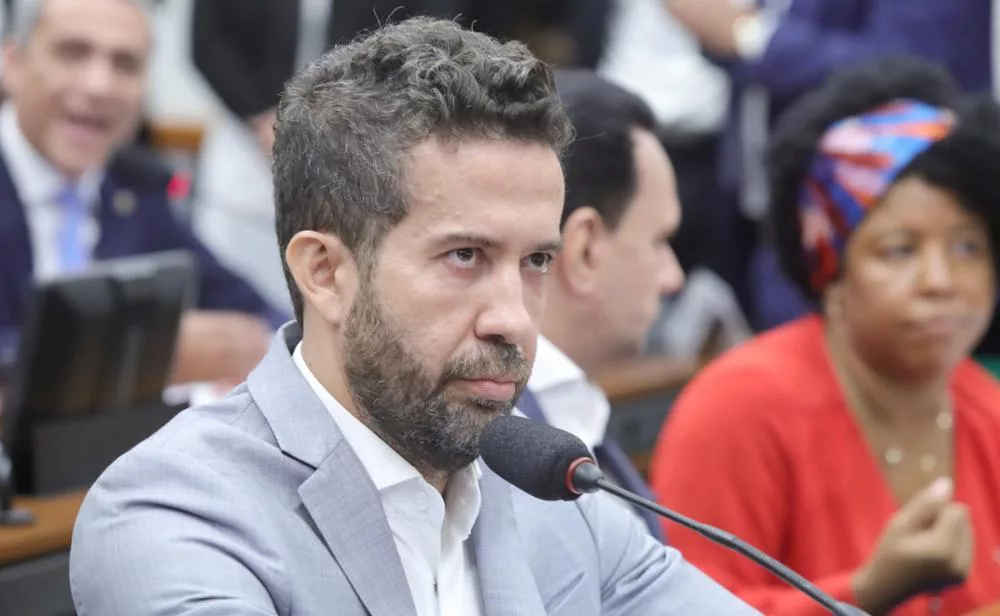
(817, 37)
(150, 226)
(246, 49)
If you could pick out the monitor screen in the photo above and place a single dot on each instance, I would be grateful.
(97, 342)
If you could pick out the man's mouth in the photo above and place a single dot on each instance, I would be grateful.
(491, 388)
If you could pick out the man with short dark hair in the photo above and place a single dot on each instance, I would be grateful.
(621, 211)
(418, 192)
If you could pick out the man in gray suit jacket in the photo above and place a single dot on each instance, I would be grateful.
(418, 193)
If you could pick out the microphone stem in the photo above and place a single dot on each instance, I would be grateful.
(731, 541)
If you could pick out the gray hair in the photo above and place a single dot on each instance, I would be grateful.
(27, 14)
(346, 122)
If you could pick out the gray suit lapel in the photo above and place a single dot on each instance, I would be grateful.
(339, 496)
(345, 505)
(505, 579)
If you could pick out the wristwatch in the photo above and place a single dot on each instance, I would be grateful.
(752, 33)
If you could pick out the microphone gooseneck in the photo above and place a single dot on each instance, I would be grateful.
(587, 477)
(551, 464)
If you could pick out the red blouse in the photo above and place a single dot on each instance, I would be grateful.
(762, 444)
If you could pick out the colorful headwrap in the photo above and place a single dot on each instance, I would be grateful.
(857, 160)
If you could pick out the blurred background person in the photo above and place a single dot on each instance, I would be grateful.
(777, 50)
(860, 446)
(246, 50)
(74, 74)
(650, 53)
(640, 46)
(620, 212)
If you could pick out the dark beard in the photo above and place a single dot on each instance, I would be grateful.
(406, 407)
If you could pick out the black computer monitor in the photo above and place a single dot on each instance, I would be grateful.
(96, 347)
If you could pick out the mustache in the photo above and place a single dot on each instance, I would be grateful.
(492, 361)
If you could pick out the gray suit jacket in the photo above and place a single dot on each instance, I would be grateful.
(257, 505)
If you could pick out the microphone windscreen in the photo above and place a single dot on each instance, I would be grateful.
(531, 455)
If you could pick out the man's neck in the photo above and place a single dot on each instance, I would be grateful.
(29, 165)
(318, 352)
(564, 331)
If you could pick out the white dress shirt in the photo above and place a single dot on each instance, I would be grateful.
(314, 21)
(651, 54)
(431, 533)
(38, 185)
(569, 400)
(567, 397)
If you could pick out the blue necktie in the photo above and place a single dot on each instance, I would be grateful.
(612, 460)
(73, 254)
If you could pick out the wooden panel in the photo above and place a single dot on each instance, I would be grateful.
(177, 136)
(645, 376)
(51, 531)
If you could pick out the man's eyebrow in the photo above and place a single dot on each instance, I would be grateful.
(470, 239)
(550, 246)
(483, 241)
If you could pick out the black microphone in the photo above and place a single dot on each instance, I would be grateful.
(551, 464)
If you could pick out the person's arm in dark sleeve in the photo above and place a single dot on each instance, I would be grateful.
(791, 54)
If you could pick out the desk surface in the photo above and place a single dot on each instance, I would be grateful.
(51, 531)
(992, 610)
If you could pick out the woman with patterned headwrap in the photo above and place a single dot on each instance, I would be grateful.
(861, 446)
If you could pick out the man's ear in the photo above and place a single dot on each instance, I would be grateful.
(585, 246)
(325, 272)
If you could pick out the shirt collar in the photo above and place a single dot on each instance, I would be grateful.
(38, 182)
(388, 469)
(552, 368)
(569, 400)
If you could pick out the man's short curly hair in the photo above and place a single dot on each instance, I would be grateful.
(346, 122)
(965, 163)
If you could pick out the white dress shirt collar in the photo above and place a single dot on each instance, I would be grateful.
(37, 181)
(384, 465)
(568, 399)
(388, 469)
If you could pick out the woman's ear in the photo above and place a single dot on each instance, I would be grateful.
(584, 250)
(326, 273)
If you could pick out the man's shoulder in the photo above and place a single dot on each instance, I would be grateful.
(216, 442)
(203, 502)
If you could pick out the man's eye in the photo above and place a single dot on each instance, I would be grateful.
(540, 261)
(464, 257)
